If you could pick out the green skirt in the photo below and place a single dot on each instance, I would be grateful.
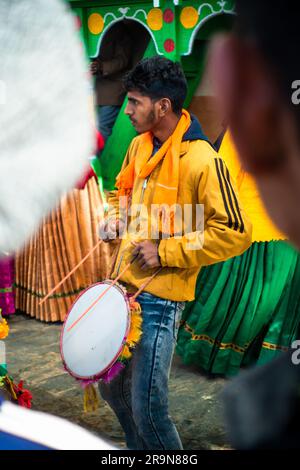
(246, 310)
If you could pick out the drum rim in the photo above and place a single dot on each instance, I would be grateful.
(97, 376)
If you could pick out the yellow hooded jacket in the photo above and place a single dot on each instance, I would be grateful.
(205, 180)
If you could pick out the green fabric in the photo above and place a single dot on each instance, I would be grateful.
(3, 370)
(243, 307)
(6, 290)
(40, 295)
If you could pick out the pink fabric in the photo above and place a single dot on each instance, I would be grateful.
(7, 296)
(85, 178)
(99, 144)
(112, 372)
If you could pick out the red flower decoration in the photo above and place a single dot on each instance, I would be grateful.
(23, 395)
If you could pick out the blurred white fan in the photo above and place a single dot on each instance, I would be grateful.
(33, 427)
(45, 128)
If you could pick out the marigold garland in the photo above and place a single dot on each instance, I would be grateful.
(4, 328)
(135, 332)
(18, 394)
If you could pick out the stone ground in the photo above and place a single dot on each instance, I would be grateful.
(33, 355)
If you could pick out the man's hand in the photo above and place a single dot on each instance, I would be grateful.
(146, 254)
(110, 229)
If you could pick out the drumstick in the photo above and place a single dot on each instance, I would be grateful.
(110, 286)
(100, 296)
(70, 273)
(143, 286)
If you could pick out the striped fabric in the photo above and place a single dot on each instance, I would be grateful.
(235, 220)
(65, 237)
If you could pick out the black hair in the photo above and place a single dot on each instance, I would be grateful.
(274, 27)
(157, 78)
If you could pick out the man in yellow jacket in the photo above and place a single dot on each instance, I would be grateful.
(175, 210)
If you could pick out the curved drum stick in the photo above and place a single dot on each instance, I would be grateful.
(70, 273)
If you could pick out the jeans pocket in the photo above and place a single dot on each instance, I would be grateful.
(179, 307)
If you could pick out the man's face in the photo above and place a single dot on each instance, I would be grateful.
(141, 111)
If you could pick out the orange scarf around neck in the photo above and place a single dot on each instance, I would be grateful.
(142, 165)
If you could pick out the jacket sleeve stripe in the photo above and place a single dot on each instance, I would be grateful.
(236, 220)
(223, 193)
(242, 225)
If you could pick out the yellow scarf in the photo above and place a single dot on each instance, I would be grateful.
(142, 164)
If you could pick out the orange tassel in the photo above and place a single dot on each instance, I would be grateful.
(90, 399)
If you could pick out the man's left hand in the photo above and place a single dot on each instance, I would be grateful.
(146, 254)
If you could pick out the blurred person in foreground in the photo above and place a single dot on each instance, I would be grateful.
(255, 68)
(45, 140)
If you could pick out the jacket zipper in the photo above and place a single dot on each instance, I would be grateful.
(142, 193)
(145, 183)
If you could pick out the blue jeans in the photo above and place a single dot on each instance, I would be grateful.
(106, 117)
(139, 394)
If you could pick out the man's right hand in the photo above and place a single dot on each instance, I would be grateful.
(109, 230)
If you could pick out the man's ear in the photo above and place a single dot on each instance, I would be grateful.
(250, 102)
(165, 106)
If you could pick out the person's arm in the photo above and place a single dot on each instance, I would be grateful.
(227, 231)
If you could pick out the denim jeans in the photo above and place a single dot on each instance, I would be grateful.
(106, 117)
(139, 394)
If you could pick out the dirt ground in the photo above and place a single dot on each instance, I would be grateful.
(33, 355)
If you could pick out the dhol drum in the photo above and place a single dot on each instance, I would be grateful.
(98, 331)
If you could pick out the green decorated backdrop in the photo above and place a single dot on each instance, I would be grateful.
(177, 29)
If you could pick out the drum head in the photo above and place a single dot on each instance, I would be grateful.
(92, 346)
